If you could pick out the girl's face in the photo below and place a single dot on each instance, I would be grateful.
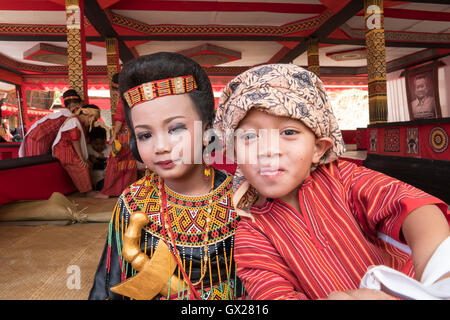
(275, 154)
(164, 129)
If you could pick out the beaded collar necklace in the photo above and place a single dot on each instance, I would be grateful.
(167, 226)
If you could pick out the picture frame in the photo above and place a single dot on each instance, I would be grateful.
(423, 92)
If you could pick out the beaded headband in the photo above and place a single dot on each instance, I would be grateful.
(72, 97)
(155, 89)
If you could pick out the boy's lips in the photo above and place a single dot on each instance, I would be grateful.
(271, 172)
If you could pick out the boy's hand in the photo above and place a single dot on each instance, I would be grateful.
(359, 294)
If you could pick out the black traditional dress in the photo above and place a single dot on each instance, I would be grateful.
(188, 216)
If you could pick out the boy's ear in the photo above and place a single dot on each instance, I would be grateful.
(322, 145)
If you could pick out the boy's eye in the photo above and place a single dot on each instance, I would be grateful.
(144, 136)
(248, 136)
(289, 132)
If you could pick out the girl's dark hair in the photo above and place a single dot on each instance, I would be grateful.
(70, 93)
(163, 65)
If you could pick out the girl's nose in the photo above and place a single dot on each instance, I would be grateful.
(163, 144)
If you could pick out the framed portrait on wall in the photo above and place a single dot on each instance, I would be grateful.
(423, 92)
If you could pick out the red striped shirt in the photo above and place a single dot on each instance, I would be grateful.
(285, 254)
(39, 140)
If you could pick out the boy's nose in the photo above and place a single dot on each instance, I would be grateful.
(268, 144)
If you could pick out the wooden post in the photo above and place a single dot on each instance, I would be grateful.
(112, 60)
(313, 55)
(76, 50)
(376, 60)
(22, 114)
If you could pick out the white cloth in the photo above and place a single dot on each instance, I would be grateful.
(400, 285)
(52, 116)
(69, 124)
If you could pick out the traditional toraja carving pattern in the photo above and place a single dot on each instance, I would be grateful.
(112, 60)
(307, 24)
(373, 141)
(75, 66)
(392, 140)
(438, 139)
(376, 60)
(32, 29)
(74, 50)
(313, 55)
(412, 140)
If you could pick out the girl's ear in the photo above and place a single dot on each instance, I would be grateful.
(322, 145)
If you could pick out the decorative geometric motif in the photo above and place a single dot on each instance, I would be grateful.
(308, 24)
(32, 28)
(151, 90)
(412, 140)
(187, 214)
(220, 292)
(438, 139)
(313, 55)
(373, 141)
(112, 64)
(392, 140)
(376, 66)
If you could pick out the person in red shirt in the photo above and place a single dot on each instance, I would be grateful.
(70, 147)
(121, 169)
(312, 224)
(42, 134)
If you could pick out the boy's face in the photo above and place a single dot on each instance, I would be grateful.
(281, 151)
(164, 129)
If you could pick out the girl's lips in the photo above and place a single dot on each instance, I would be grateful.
(166, 164)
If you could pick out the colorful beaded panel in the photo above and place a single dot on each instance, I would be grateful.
(187, 214)
(155, 89)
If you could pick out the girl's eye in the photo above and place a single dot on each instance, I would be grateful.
(144, 136)
(177, 128)
(289, 132)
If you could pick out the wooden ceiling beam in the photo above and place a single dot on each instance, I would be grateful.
(99, 20)
(424, 1)
(333, 23)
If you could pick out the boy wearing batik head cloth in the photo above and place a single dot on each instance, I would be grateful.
(312, 224)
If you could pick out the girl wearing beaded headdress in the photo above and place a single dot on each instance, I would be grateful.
(171, 234)
(121, 169)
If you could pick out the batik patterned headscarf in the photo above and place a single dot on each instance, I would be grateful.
(284, 90)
